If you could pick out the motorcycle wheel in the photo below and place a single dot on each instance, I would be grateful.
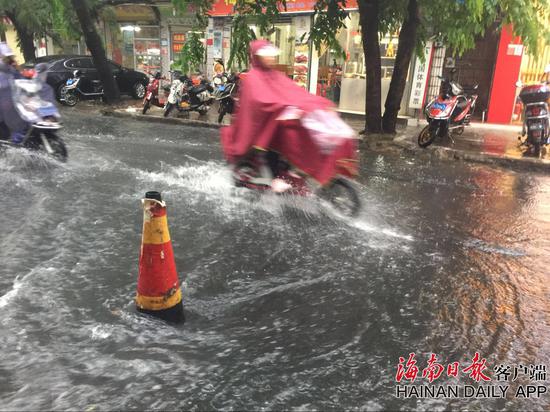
(221, 115)
(458, 132)
(167, 109)
(341, 194)
(70, 99)
(536, 149)
(146, 106)
(58, 145)
(427, 136)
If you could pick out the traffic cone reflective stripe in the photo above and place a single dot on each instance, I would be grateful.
(158, 289)
(159, 303)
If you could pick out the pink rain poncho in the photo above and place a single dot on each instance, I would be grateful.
(266, 97)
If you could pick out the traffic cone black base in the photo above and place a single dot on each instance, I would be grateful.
(173, 315)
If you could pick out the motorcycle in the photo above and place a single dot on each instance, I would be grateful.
(153, 93)
(448, 113)
(226, 94)
(536, 118)
(189, 95)
(42, 119)
(330, 168)
(75, 87)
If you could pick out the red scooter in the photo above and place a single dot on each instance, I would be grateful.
(448, 113)
(152, 96)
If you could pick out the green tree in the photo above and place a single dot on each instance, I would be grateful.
(455, 22)
(192, 55)
(31, 19)
(95, 45)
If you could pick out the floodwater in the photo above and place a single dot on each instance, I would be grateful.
(288, 306)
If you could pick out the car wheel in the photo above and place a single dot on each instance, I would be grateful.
(138, 90)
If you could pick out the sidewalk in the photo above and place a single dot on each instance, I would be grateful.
(481, 142)
(208, 120)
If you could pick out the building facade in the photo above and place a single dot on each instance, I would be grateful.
(341, 78)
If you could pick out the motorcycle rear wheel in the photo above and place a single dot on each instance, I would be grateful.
(427, 136)
(342, 196)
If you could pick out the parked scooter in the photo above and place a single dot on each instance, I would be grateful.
(77, 88)
(536, 118)
(177, 90)
(152, 95)
(42, 119)
(226, 95)
(188, 95)
(448, 113)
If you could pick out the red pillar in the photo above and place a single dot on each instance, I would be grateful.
(506, 74)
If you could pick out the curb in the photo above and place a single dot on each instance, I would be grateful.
(441, 152)
(156, 119)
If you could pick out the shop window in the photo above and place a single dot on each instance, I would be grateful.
(284, 37)
(148, 32)
(147, 49)
(341, 77)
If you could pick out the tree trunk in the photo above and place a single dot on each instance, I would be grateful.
(368, 16)
(26, 38)
(405, 50)
(2, 35)
(93, 41)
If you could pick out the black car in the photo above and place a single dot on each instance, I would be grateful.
(62, 67)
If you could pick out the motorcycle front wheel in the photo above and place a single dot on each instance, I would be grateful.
(59, 150)
(69, 98)
(58, 146)
(146, 106)
(221, 115)
(427, 136)
(167, 109)
(342, 196)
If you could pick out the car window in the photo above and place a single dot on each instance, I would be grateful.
(87, 63)
(72, 63)
(114, 67)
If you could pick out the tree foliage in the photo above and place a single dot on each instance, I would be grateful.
(192, 55)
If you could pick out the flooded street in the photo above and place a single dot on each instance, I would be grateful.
(287, 305)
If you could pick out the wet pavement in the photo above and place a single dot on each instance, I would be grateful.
(288, 306)
(487, 140)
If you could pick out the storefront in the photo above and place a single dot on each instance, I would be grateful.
(339, 77)
(137, 44)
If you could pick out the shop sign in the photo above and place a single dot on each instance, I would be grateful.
(225, 7)
(301, 51)
(420, 78)
(514, 50)
(217, 43)
(178, 40)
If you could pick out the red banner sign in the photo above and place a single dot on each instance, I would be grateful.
(225, 7)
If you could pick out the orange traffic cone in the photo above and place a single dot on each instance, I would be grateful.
(158, 288)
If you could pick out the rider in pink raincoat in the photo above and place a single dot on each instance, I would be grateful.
(266, 118)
